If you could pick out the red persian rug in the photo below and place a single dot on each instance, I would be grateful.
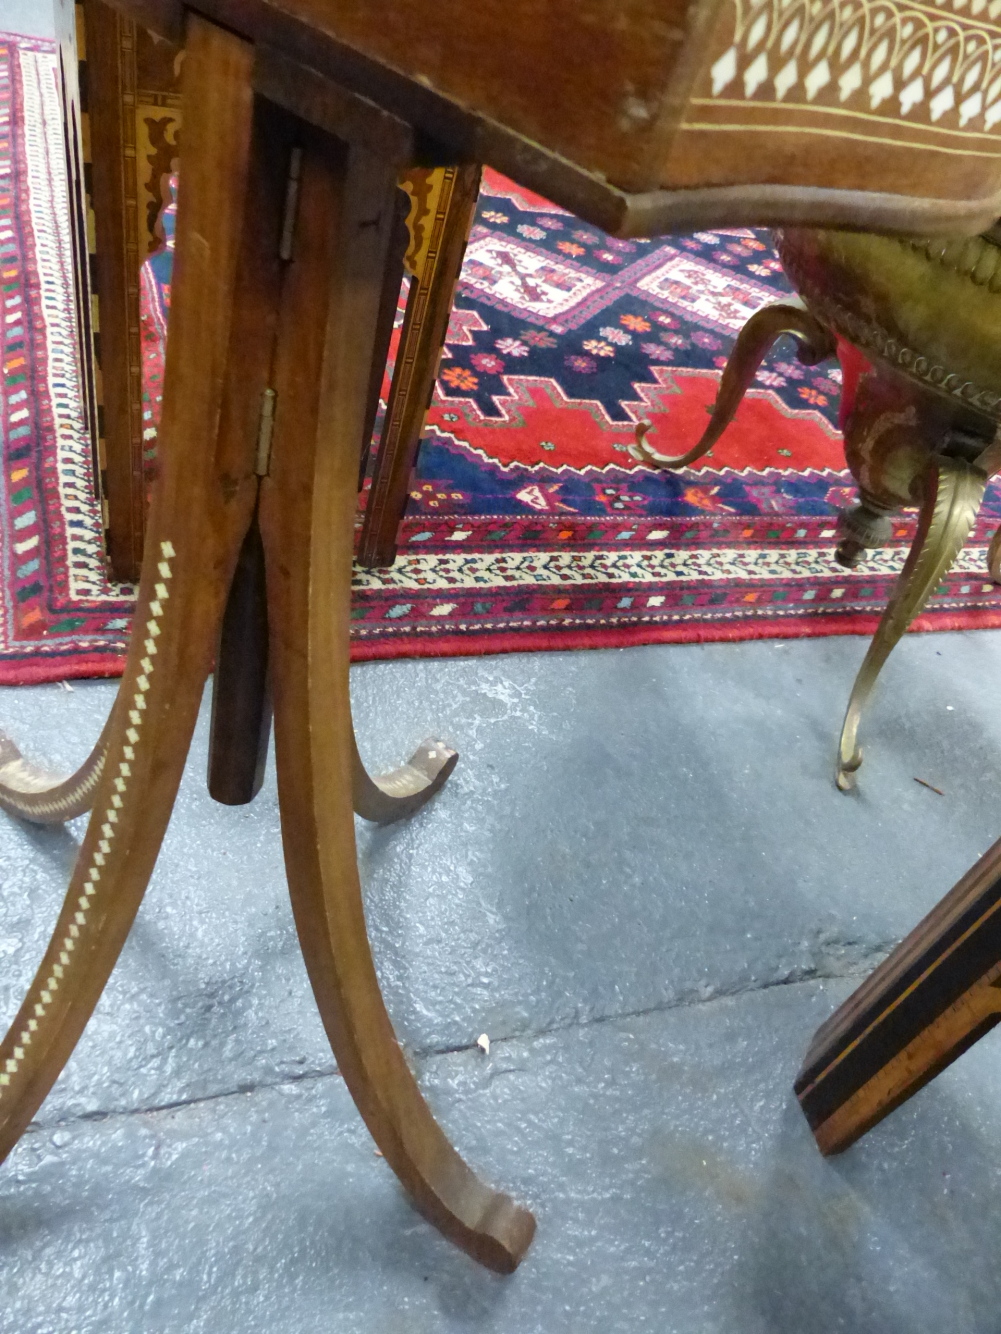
(61, 616)
(530, 526)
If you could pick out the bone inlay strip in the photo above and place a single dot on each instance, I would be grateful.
(108, 827)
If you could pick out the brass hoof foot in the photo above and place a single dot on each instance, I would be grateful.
(846, 770)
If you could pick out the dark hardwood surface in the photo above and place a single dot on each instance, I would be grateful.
(934, 996)
(608, 109)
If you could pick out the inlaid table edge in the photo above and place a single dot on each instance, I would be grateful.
(445, 131)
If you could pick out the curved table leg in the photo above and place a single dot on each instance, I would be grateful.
(814, 343)
(953, 492)
(395, 795)
(240, 728)
(307, 515)
(194, 535)
(32, 792)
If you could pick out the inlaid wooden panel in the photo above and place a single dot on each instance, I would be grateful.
(532, 64)
(650, 116)
(134, 116)
(843, 87)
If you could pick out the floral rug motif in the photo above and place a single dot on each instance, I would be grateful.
(529, 524)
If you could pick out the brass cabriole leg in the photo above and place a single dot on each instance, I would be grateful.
(953, 491)
(191, 548)
(814, 343)
(307, 512)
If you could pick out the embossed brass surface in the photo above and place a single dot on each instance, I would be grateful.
(921, 431)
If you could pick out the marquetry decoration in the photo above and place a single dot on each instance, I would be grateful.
(133, 127)
(429, 190)
(832, 87)
(45, 994)
(935, 70)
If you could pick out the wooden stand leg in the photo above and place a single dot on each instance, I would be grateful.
(395, 795)
(813, 344)
(936, 995)
(425, 325)
(953, 491)
(31, 792)
(241, 701)
(388, 304)
(307, 517)
(195, 529)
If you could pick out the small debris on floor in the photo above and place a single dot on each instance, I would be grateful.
(483, 1042)
(66, 686)
(378, 1153)
(930, 786)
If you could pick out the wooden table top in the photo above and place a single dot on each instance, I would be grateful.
(646, 116)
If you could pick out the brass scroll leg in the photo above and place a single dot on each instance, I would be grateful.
(814, 343)
(194, 535)
(346, 206)
(953, 490)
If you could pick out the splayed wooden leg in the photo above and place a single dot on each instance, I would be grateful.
(307, 518)
(195, 530)
(32, 792)
(429, 305)
(814, 343)
(953, 490)
(936, 995)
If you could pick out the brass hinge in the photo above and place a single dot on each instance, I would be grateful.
(265, 430)
(291, 203)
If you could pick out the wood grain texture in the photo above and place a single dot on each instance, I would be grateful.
(935, 995)
(240, 728)
(429, 306)
(111, 89)
(330, 313)
(583, 101)
(196, 526)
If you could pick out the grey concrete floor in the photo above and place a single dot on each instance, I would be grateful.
(33, 18)
(643, 885)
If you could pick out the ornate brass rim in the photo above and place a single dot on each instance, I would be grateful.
(873, 338)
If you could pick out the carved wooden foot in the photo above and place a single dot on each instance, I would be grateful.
(33, 793)
(395, 795)
(307, 507)
(813, 344)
